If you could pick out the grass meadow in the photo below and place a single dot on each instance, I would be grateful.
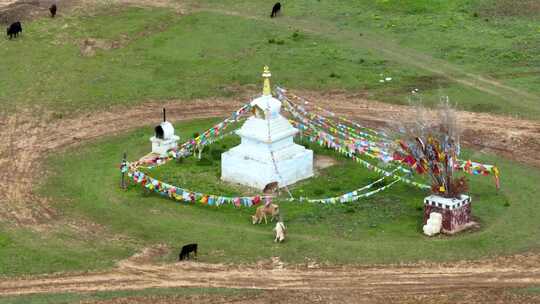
(483, 54)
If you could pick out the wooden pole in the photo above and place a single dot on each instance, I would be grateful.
(164, 115)
(123, 169)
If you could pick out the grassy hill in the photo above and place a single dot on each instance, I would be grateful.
(477, 52)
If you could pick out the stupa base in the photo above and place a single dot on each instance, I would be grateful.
(253, 173)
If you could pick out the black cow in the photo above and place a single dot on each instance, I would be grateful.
(275, 10)
(14, 29)
(53, 9)
(186, 250)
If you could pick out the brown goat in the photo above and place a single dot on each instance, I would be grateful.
(262, 211)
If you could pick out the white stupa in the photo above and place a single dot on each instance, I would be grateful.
(267, 152)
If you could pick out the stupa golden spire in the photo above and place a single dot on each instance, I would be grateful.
(266, 87)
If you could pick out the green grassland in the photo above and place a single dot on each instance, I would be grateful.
(439, 47)
(178, 62)
(386, 228)
(453, 40)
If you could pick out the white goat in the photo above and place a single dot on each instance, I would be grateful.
(280, 231)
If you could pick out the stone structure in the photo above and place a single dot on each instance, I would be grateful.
(456, 213)
(164, 138)
(267, 152)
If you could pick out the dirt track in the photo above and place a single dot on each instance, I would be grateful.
(386, 281)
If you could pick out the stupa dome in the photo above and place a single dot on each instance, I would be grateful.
(267, 104)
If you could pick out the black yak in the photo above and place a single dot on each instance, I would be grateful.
(275, 10)
(14, 29)
(186, 250)
(53, 9)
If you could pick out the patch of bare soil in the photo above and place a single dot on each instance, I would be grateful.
(11, 11)
(89, 46)
(177, 5)
(324, 161)
(509, 8)
(24, 10)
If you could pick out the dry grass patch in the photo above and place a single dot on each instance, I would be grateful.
(510, 8)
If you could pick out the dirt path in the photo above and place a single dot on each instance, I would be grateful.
(46, 133)
(514, 272)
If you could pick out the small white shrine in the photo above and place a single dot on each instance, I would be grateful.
(267, 152)
(164, 138)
